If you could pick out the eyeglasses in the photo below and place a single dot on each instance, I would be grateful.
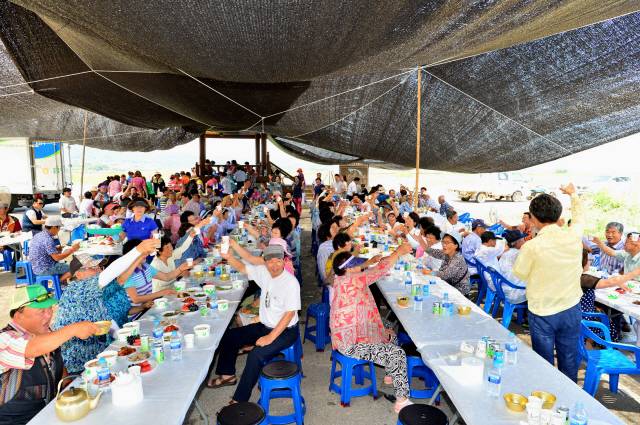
(446, 243)
(39, 203)
(40, 299)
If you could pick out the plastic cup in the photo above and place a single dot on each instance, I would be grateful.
(225, 240)
(160, 302)
(241, 225)
(224, 248)
(590, 237)
(558, 418)
(135, 370)
(190, 262)
(179, 285)
(223, 305)
(219, 207)
(533, 412)
(188, 340)
(545, 416)
(197, 230)
(634, 237)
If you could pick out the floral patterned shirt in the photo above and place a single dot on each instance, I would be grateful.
(453, 270)
(354, 315)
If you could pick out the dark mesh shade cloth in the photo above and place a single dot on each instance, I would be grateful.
(505, 85)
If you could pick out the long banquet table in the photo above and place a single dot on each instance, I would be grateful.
(624, 302)
(169, 389)
(439, 337)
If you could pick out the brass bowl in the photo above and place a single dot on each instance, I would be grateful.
(224, 277)
(549, 399)
(464, 310)
(403, 301)
(516, 402)
(104, 326)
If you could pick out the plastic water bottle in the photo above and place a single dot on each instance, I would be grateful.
(445, 305)
(494, 380)
(417, 306)
(578, 416)
(176, 347)
(213, 310)
(104, 377)
(158, 332)
(407, 283)
(511, 347)
(396, 270)
(367, 236)
(432, 279)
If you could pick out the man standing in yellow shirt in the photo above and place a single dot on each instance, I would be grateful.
(550, 263)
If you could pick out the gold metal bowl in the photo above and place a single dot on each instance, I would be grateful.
(464, 310)
(403, 301)
(104, 326)
(549, 399)
(224, 277)
(515, 402)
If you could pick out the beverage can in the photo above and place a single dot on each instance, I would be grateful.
(485, 339)
(425, 290)
(564, 410)
(436, 308)
(407, 267)
(218, 270)
(499, 355)
(144, 342)
(158, 353)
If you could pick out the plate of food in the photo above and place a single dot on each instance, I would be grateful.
(168, 322)
(167, 330)
(189, 300)
(139, 356)
(126, 352)
(167, 338)
(189, 308)
(184, 294)
(200, 295)
(223, 287)
(171, 313)
(112, 375)
(147, 366)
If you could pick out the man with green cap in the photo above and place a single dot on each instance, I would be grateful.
(30, 358)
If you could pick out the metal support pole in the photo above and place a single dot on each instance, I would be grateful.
(203, 151)
(257, 149)
(415, 194)
(263, 158)
(84, 145)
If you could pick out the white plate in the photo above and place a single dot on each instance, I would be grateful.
(223, 287)
(139, 361)
(153, 365)
(169, 333)
(167, 339)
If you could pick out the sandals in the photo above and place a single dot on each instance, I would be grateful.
(399, 406)
(223, 382)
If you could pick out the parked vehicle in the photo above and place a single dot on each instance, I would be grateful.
(603, 182)
(33, 168)
(510, 186)
(540, 190)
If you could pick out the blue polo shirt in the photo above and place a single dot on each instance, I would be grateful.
(139, 230)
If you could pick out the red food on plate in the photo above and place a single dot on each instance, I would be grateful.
(137, 342)
(185, 307)
(189, 300)
(145, 366)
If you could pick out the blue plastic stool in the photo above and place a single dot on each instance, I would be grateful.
(55, 279)
(245, 413)
(416, 367)
(7, 260)
(284, 376)
(28, 278)
(291, 354)
(349, 367)
(325, 294)
(403, 338)
(422, 414)
(25, 249)
(322, 336)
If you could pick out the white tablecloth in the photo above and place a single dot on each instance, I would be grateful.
(622, 304)
(438, 337)
(171, 387)
(99, 250)
(69, 224)
(24, 236)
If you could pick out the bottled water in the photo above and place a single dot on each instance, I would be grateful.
(494, 380)
(104, 377)
(396, 270)
(213, 311)
(445, 305)
(578, 416)
(176, 347)
(417, 306)
(432, 279)
(407, 283)
(511, 347)
(158, 332)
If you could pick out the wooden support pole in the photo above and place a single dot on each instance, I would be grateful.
(84, 146)
(203, 154)
(263, 159)
(415, 194)
(257, 149)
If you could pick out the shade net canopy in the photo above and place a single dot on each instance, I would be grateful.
(505, 85)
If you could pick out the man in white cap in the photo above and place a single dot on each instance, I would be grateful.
(277, 329)
(45, 256)
(31, 364)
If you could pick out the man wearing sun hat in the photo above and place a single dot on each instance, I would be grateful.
(277, 329)
(31, 364)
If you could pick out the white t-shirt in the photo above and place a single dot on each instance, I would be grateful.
(32, 215)
(353, 188)
(283, 293)
(338, 186)
(68, 204)
(86, 206)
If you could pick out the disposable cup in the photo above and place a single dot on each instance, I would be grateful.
(209, 289)
(202, 330)
(160, 302)
(219, 207)
(91, 371)
(109, 356)
(224, 248)
(179, 285)
(135, 370)
(223, 305)
(188, 340)
(545, 416)
(564, 185)
(533, 412)
(237, 284)
(558, 418)
(225, 240)
(190, 262)
(197, 230)
(241, 225)
(634, 237)
(134, 325)
(590, 237)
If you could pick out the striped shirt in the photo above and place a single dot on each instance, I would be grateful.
(142, 280)
(12, 347)
(612, 264)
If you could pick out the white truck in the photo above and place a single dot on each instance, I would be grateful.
(510, 186)
(33, 168)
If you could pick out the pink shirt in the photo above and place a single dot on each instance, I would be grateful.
(354, 315)
(139, 183)
(173, 224)
(114, 187)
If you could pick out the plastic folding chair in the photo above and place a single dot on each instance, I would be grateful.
(609, 361)
(507, 312)
(490, 293)
(7, 260)
(477, 281)
(464, 216)
(596, 261)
